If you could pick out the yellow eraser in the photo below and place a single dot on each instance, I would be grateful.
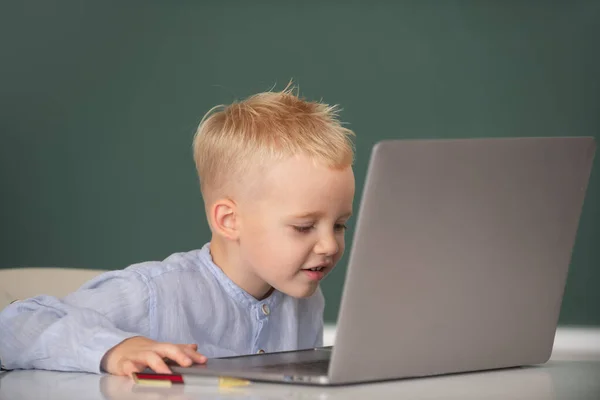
(225, 381)
(155, 383)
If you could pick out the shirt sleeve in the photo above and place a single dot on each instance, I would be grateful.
(74, 333)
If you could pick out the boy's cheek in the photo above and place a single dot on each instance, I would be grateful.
(340, 253)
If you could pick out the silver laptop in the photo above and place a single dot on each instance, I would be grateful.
(459, 261)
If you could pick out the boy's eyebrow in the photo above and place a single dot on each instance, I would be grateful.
(318, 214)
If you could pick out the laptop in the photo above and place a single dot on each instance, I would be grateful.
(459, 262)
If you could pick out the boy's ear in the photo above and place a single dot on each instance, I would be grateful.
(223, 217)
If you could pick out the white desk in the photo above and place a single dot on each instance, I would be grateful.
(572, 373)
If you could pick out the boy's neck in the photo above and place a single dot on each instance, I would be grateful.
(227, 259)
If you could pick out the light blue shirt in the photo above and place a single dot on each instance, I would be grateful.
(183, 299)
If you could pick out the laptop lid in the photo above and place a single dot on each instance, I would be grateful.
(460, 256)
(459, 261)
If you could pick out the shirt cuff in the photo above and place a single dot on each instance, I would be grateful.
(100, 343)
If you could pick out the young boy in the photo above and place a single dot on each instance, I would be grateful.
(276, 177)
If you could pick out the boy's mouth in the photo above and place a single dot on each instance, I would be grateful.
(319, 267)
(316, 273)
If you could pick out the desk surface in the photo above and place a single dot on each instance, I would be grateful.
(571, 373)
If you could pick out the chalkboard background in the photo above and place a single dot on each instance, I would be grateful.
(99, 102)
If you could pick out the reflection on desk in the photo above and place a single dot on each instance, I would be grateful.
(554, 380)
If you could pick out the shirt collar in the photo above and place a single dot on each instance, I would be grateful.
(232, 289)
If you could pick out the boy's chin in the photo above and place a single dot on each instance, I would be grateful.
(301, 292)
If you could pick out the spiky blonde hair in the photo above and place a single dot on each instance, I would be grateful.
(267, 126)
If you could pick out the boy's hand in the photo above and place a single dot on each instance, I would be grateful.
(137, 353)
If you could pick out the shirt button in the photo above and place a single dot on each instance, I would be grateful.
(265, 309)
(261, 351)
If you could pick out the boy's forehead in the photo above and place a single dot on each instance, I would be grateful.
(303, 186)
(293, 182)
(300, 171)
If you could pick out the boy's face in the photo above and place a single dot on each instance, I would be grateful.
(295, 221)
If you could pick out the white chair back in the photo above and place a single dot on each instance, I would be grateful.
(23, 283)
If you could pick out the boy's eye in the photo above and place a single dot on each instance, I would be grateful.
(340, 227)
(303, 229)
(306, 229)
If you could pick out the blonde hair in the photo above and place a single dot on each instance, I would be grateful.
(267, 126)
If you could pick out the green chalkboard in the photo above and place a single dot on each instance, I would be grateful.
(99, 102)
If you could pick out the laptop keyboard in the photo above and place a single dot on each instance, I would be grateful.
(317, 366)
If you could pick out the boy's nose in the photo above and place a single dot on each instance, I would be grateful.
(327, 245)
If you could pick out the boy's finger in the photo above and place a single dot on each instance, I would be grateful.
(128, 368)
(195, 356)
(175, 353)
(156, 363)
